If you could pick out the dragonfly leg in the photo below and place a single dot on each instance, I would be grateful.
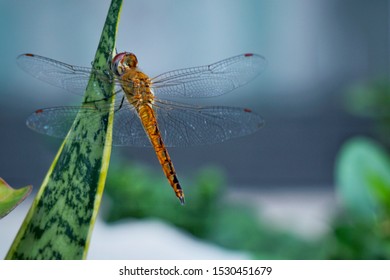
(105, 98)
(120, 105)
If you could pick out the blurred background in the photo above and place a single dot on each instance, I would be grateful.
(294, 185)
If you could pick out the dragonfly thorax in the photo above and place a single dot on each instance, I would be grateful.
(136, 86)
(139, 98)
(123, 62)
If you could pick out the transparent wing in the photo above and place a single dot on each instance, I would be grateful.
(128, 129)
(56, 73)
(180, 125)
(183, 125)
(209, 80)
(203, 81)
(57, 121)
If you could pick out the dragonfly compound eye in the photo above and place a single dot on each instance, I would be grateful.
(130, 60)
(122, 62)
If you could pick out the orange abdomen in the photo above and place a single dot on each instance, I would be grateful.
(149, 122)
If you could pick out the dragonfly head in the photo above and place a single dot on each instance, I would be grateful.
(123, 62)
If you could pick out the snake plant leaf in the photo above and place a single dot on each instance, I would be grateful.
(60, 221)
(10, 198)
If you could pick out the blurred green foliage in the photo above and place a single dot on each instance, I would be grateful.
(135, 191)
(372, 100)
(362, 230)
(363, 178)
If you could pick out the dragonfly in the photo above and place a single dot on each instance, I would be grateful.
(145, 114)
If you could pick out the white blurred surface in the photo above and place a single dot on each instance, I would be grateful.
(152, 240)
(306, 212)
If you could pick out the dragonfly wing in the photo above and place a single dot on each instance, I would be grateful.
(59, 74)
(128, 129)
(55, 121)
(209, 80)
(183, 125)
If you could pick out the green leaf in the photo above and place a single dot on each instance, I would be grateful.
(10, 198)
(59, 223)
(363, 177)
